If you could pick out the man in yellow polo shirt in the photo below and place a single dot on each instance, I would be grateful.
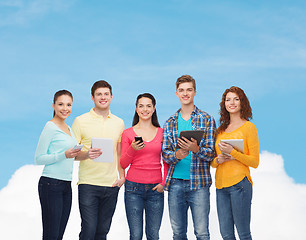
(98, 183)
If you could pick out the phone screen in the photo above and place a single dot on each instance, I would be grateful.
(138, 139)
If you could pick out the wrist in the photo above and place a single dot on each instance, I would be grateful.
(196, 150)
(178, 155)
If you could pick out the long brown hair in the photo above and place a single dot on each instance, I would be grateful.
(245, 111)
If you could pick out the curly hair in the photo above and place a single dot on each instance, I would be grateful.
(245, 111)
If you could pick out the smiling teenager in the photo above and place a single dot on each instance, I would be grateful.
(98, 183)
(188, 179)
(233, 179)
(54, 150)
(144, 184)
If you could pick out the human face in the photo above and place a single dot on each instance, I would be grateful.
(232, 103)
(145, 108)
(62, 106)
(186, 93)
(102, 98)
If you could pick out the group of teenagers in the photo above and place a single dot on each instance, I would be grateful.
(161, 161)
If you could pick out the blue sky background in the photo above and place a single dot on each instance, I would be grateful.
(144, 46)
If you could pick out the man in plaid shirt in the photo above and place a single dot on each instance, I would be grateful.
(188, 179)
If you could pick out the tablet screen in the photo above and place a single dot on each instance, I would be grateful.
(195, 134)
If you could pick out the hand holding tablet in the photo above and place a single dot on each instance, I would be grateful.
(195, 134)
(237, 144)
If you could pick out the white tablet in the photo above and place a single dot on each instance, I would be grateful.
(238, 144)
(106, 145)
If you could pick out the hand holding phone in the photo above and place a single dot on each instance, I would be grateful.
(137, 139)
(76, 147)
(138, 144)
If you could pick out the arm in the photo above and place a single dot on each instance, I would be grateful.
(214, 163)
(160, 187)
(119, 182)
(168, 147)
(42, 157)
(92, 153)
(252, 159)
(166, 167)
(127, 151)
(221, 158)
(207, 149)
(76, 129)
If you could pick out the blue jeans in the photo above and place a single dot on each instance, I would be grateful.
(138, 198)
(97, 206)
(234, 208)
(180, 198)
(55, 198)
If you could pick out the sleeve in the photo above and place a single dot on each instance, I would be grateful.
(251, 159)
(168, 147)
(76, 129)
(166, 167)
(214, 163)
(127, 152)
(207, 146)
(42, 157)
(122, 129)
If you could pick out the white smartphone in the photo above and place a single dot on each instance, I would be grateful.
(78, 147)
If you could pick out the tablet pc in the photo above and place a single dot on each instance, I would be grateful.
(238, 144)
(106, 145)
(195, 134)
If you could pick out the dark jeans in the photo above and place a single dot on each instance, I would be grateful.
(97, 206)
(55, 199)
(140, 198)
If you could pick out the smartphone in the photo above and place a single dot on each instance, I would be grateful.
(78, 147)
(138, 139)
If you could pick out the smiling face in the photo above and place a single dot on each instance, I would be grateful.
(232, 103)
(62, 107)
(186, 93)
(102, 98)
(145, 108)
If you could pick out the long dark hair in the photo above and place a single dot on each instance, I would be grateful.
(245, 112)
(61, 93)
(154, 115)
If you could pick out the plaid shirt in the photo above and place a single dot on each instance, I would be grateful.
(200, 161)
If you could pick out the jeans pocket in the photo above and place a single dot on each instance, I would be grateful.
(49, 181)
(129, 187)
(54, 182)
(158, 196)
(241, 184)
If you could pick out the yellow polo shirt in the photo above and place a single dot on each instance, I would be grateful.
(91, 125)
(232, 172)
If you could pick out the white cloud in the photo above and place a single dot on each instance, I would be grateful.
(278, 211)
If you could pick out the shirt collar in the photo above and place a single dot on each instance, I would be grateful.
(175, 116)
(94, 114)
